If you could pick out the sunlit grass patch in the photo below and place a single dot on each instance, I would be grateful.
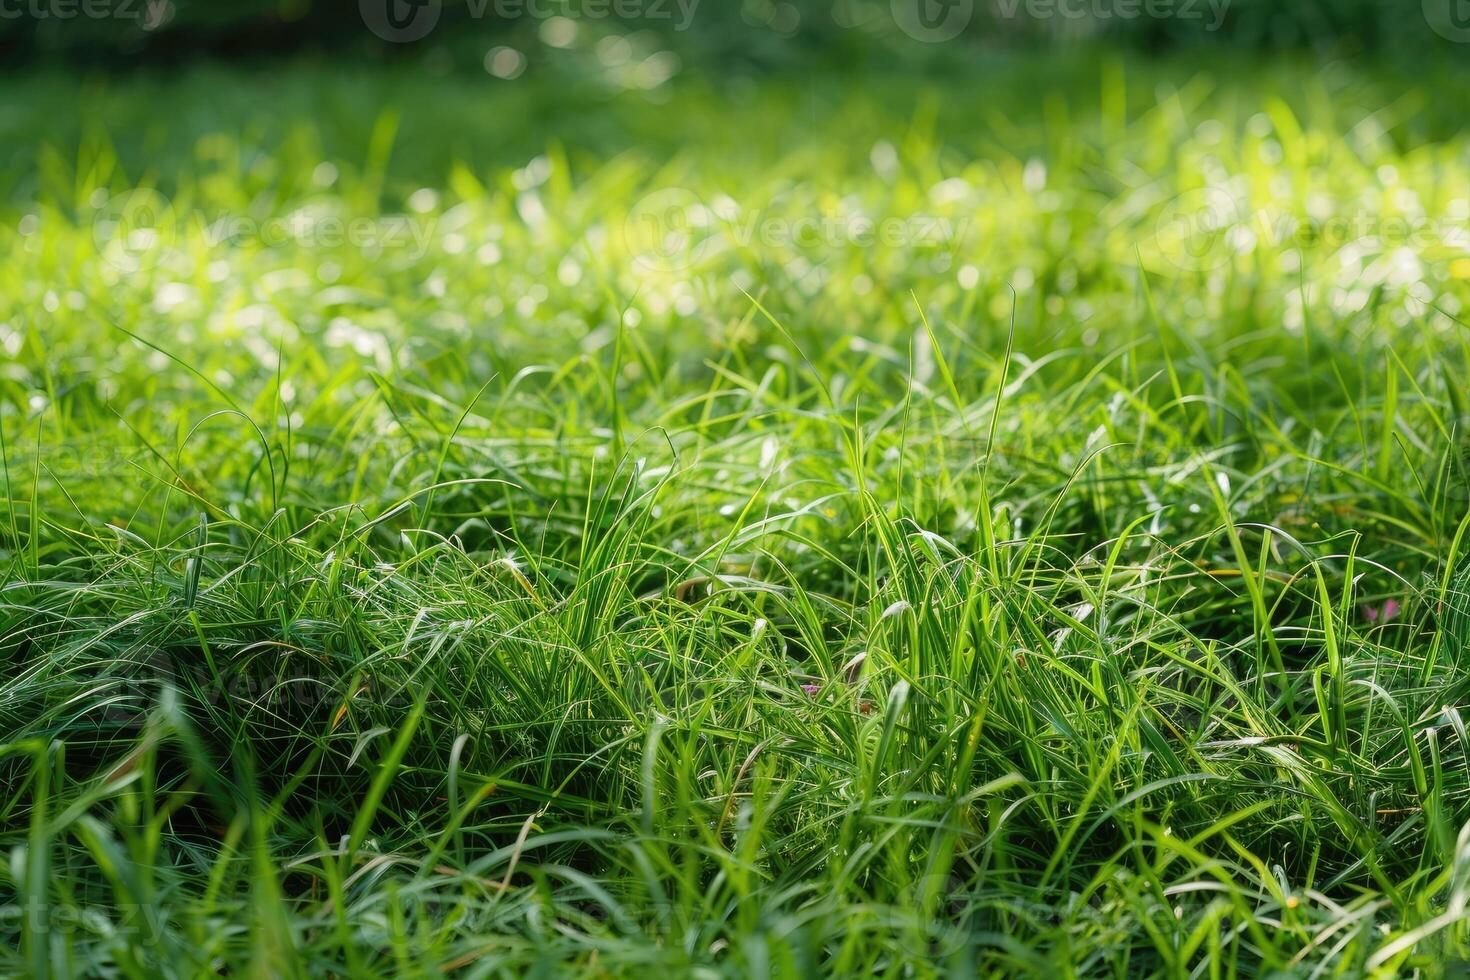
(921, 535)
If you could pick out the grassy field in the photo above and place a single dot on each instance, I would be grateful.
(977, 518)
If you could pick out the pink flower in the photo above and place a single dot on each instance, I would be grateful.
(811, 688)
(1390, 609)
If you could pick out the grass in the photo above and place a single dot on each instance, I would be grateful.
(1002, 520)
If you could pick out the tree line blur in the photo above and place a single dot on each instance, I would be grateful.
(134, 32)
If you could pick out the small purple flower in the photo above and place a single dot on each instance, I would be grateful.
(811, 689)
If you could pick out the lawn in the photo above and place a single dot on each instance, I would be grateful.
(981, 515)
